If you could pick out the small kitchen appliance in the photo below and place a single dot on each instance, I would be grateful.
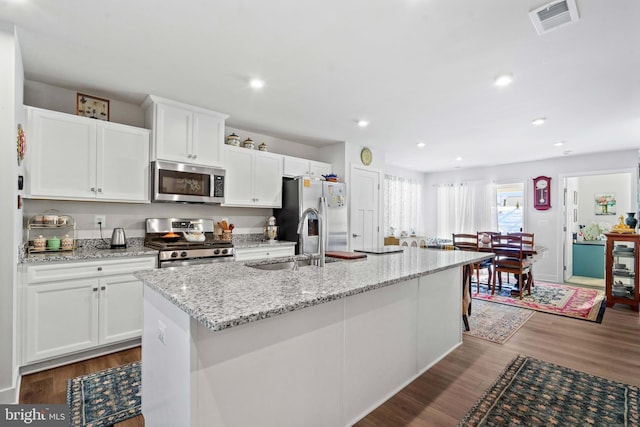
(271, 229)
(118, 239)
(181, 249)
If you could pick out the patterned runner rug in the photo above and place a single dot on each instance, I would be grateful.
(106, 397)
(564, 300)
(530, 392)
(496, 322)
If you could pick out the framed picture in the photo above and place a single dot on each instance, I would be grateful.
(92, 107)
(605, 203)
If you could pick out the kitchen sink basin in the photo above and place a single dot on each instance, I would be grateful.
(285, 265)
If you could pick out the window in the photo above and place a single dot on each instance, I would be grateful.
(403, 198)
(510, 209)
(466, 207)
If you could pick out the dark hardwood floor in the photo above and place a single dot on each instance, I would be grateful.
(444, 394)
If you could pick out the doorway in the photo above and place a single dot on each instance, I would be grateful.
(365, 208)
(586, 219)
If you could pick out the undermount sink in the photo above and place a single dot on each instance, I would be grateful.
(285, 265)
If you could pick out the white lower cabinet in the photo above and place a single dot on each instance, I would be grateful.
(75, 306)
(246, 254)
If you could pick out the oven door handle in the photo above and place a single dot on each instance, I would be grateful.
(195, 261)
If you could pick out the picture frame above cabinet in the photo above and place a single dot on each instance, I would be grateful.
(184, 133)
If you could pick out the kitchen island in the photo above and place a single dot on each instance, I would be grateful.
(231, 345)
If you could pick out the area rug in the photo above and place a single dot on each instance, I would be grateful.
(564, 300)
(106, 397)
(530, 392)
(496, 322)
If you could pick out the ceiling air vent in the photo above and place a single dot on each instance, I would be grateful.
(554, 15)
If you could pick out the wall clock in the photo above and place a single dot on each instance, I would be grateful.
(365, 156)
(542, 193)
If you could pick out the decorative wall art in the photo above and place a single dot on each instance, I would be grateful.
(605, 203)
(92, 107)
(21, 144)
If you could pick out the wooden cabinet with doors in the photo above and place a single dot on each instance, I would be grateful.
(622, 264)
(78, 158)
(69, 307)
(184, 133)
(253, 178)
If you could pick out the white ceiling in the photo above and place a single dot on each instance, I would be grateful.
(418, 70)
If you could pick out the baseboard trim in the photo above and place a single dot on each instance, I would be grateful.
(77, 357)
(10, 395)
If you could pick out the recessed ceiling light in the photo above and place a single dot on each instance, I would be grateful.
(420, 145)
(256, 83)
(363, 123)
(559, 144)
(503, 80)
(458, 158)
(539, 121)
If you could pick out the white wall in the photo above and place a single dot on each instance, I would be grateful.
(589, 186)
(11, 78)
(547, 225)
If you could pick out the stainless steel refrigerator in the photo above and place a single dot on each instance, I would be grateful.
(302, 193)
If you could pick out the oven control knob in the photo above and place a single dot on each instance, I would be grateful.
(216, 251)
(174, 254)
(224, 251)
(183, 254)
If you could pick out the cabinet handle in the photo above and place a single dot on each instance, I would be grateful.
(93, 189)
(99, 190)
(103, 288)
(355, 235)
(95, 289)
(99, 268)
(194, 156)
(189, 156)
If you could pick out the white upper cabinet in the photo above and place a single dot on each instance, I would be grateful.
(253, 178)
(78, 158)
(184, 133)
(295, 166)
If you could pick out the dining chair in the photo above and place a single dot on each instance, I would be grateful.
(484, 245)
(527, 241)
(465, 242)
(469, 242)
(509, 258)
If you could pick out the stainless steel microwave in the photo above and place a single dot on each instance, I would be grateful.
(181, 182)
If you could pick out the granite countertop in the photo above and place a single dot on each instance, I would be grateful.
(224, 295)
(259, 244)
(89, 249)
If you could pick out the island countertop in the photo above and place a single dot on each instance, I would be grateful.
(224, 295)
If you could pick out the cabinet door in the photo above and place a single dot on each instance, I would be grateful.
(120, 308)
(173, 133)
(123, 163)
(318, 168)
(61, 318)
(267, 170)
(245, 254)
(62, 155)
(208, 134)
(238, 164)
(294, 166)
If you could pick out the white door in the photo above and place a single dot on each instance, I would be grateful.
(173, 133)
(123, 163)
(208, 132)
(62, 156)
(120, 308)
(365, 208)
(61, 317)
(267, 180)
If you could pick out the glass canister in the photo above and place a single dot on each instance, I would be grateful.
(67, 242)
(262, 147)
(234, 140)
(39, 243)
(248, 143)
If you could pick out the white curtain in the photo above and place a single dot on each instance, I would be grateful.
(403, 200)
(466, 207)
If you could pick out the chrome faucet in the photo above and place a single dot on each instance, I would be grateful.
(319, 256)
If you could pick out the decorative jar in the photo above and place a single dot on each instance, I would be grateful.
(67, 242)
(248, 143)
(39, 243)
(262, 147)
(631, 220)
(234, 140)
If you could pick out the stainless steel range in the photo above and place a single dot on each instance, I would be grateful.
(185, 241)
